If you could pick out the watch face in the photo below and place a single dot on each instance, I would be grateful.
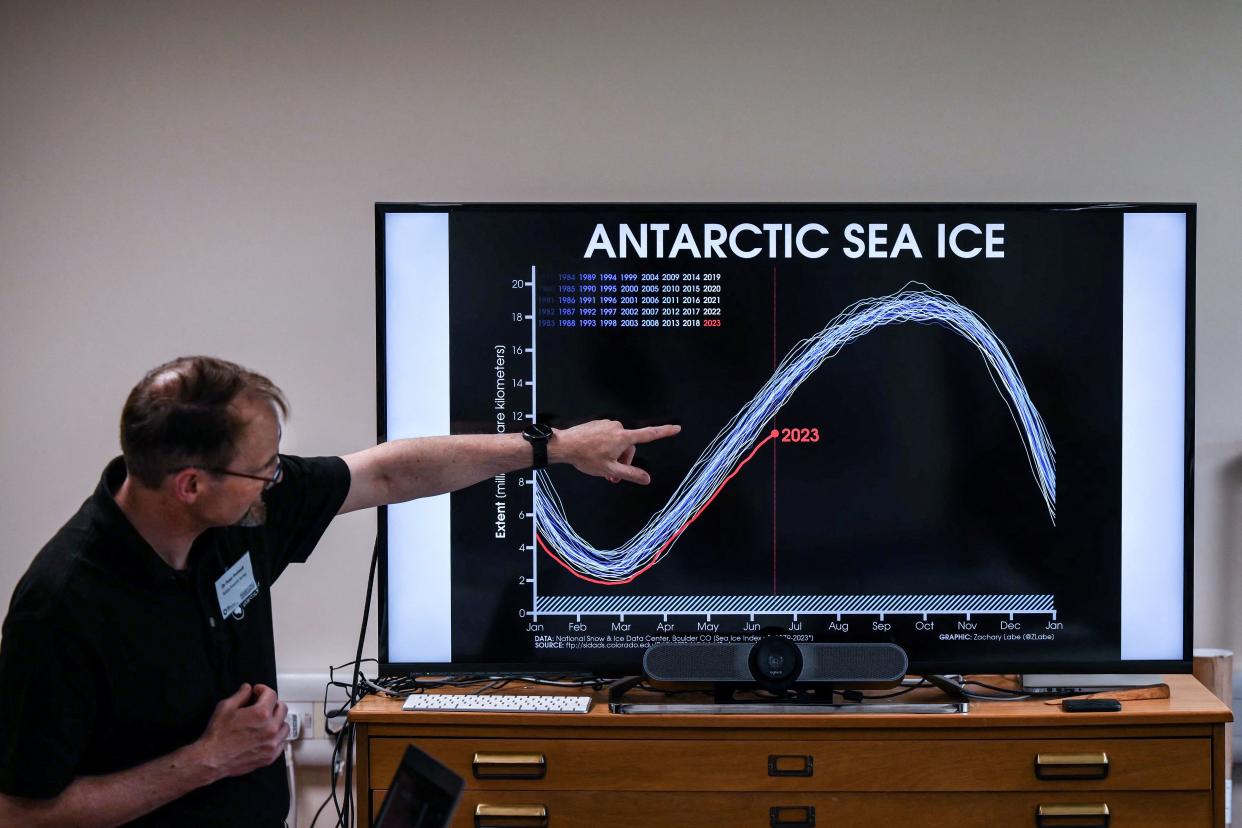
(538, 431)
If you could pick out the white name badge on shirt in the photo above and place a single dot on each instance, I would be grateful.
(236, 587)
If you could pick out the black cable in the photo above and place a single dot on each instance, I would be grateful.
(999, 694)
(336, 746)
(895, 693)
(326, 800)
(344, 737)
(339, 737)
(651, 688)
(355, 694)
(315, 819)
(1031, 693)
(335, 734)
(494, 685)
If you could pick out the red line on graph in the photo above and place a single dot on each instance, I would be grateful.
(771, 436)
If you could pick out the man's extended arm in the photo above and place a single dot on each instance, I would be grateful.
(247, 731)
(402, 470)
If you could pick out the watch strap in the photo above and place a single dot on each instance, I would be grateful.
(540, 448)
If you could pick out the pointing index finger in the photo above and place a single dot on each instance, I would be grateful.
(650, 433)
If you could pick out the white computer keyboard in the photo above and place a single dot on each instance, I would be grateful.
(499, 703)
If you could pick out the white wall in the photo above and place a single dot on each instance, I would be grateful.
(182, 177)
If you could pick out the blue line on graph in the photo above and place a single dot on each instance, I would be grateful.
(914, 303)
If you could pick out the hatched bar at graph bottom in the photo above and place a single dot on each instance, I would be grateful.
(784, 604)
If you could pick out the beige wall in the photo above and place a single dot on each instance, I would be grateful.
(198, 177)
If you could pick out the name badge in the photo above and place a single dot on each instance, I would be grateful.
(236, 587)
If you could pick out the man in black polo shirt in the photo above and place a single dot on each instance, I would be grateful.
(137, 669)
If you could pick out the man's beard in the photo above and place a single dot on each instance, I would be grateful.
(256, 515)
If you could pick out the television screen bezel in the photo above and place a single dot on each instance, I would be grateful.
(917, 667)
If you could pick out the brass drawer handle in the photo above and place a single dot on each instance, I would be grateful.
(1071, 766)
(1072, 816)
(792, 816)
(510, 816)
(791, 766)
(509, 766)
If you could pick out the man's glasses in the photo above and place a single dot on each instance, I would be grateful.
(268, 481)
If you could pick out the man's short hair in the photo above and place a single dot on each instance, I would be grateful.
(181, 414)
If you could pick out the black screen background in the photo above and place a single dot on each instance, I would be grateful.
(920, 483)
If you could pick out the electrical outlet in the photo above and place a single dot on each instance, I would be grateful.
(301, 720)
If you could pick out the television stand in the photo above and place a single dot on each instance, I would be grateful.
(1157, 763)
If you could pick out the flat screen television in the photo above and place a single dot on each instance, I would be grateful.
(963, 428)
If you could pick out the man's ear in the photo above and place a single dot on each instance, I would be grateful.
(187, 485)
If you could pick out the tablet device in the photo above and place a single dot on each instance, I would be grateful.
(423, 793)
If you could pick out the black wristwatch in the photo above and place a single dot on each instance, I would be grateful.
(538, 435)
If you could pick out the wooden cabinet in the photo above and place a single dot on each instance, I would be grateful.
(1157, 763)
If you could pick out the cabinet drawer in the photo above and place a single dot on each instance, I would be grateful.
(581, 809)
(731, 765)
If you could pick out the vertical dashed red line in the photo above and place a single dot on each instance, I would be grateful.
(774, 442)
